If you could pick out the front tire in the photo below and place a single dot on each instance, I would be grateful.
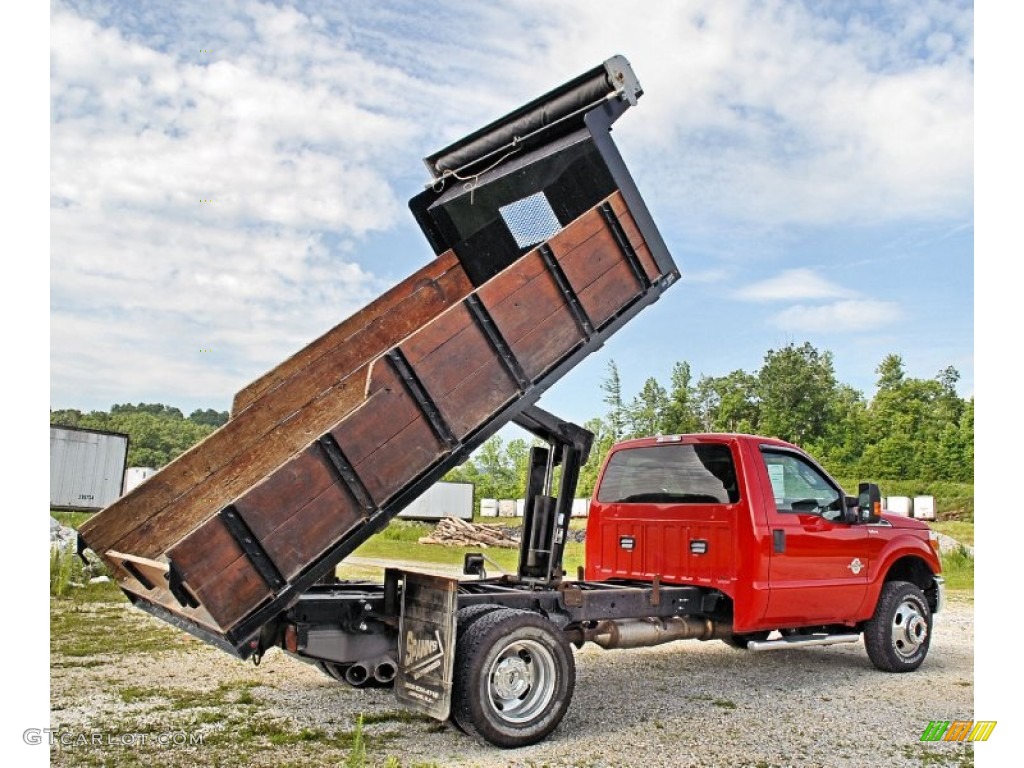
(897, 637)
(514, 678)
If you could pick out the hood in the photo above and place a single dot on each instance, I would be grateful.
(901, 521)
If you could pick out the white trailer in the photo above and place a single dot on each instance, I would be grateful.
(86, 467)
(442, 500)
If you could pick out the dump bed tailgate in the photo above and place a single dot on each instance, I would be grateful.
(540, 257)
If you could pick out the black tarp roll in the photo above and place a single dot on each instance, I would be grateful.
(576, 96)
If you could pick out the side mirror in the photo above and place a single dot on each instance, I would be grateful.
(869, 500)
(850, 513)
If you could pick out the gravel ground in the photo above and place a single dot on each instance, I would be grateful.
(681, 704)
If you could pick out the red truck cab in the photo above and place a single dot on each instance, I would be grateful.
(759, 520)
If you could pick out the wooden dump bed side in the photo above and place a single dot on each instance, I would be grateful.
(338, 429)
(541, 256)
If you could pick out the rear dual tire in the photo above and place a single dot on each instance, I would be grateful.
(514, 678)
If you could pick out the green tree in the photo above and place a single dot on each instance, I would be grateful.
(611, 385)
(603, 441)
(681, 415)
(157, 434)
(209, 417)
(796, 388)
(647, 411)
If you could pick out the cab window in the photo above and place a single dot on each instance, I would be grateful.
(799, 486)
(670, 474)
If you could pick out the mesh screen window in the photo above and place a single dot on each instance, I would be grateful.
(530, 220)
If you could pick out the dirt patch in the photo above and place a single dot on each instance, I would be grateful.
(128, 690)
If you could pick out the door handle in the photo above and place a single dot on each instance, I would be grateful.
(779, 540)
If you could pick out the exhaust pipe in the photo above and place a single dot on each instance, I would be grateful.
(357, 675)
(384, 672)
(800, 642)
(641, 633)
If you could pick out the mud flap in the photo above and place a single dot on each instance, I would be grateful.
(426, 644)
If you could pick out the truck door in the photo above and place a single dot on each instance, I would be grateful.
(818, 572)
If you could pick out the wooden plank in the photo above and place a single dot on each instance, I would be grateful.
(593, 258)
(475, 399)
(578, 232)
(154, 572)
(386, 412)
(609, 293)
(277, 410)
(513, 279)
(205, 553)
(285, 492)
(235, 593)
(650, 267)
(340, 333)
(163, 597)
(390, 468)
(428, 339)
(519, 312)
(247, 468)
(637, 241)
(548, 342)
(447, 366)
(312, 530)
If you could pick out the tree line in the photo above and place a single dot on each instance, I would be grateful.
(911, 429)
(157, 433)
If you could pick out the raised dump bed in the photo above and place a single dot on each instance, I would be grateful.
(543, 249)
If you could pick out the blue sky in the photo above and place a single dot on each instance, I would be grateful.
(810, 167)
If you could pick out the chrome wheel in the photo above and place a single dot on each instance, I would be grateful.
(521, 681)
(909, 628)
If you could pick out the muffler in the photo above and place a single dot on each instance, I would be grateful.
(640, 633)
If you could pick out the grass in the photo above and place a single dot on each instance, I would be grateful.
(70, 519)
(958, 570)
(399, 549)
(959, 530)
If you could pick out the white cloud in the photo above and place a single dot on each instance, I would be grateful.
(838, 317)
(768, 114)
(143, 274)
(793, 285)
(715, 275)
(306, 124)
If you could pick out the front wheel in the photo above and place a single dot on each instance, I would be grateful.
(514, 677)
(898, 635)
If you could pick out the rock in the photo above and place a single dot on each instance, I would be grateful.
(949, 544)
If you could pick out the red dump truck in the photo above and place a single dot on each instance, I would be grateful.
(543, 249)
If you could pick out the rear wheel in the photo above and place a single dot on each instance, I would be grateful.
(898, 635)
(468, 616)
(740, 641)
(514, 678)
